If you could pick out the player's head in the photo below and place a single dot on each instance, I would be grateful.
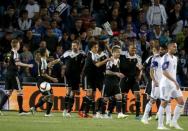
(132, 48)
(163, 50)
(93, 46)
(116, 51)
(75, 46)
(43, 52)
(155, 47)
(172, 47)
(37, 55)
(15, 44)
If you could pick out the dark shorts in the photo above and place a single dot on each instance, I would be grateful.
(111, 89)
(73, 82)
(127, 84)
(90, 82)
(12, 82)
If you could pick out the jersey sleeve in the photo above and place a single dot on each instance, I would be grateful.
(165, 63)
(154, 63)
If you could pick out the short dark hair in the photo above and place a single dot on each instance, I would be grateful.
(92, 44)
(42, 51)
(14, 43)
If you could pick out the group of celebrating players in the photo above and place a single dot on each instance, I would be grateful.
(112, 71)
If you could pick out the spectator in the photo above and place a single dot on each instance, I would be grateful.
(65, 43)
(96, 31)
(33, 9)
(56, 31)
(59, 52)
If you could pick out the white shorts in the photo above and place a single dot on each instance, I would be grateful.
(168, 91)
(155, 92)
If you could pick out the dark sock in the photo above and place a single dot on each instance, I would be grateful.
(111, 104)
(124, 104)
(20, 103)
(83, 104)
(137, 108)
(158, 103)
(103, 106)
(39, 104)
(93, 106)
(3, 101)
(66, 102)
(150, 113)
(87, 105)
(49, 107)
(118, 105)
(71, 103)
(99, 104)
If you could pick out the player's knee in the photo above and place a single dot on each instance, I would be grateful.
(152, 101)
(89, 92)
(19, 93)
(118, 97)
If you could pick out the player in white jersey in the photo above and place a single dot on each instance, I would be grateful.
(169, 87)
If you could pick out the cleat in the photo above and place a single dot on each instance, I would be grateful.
(80, 113)
(98, 115)
(175, 125)
(162, 128)
(68, 115)
(138, 118)
(105, 116)
(64, 113)
(48, 115)
(121, 115)
(32, 110)
(144, 121)
(150, 118)
(23, 113)
(157, 116)
(168, 123)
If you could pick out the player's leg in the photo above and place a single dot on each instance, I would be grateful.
(49, 100)
(168, 113)
(177, 112)
(67, 98)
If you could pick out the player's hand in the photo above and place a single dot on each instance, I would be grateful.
(140, 67)
(55, 80)
(120, 75)
(177, 85)
(109, 59)
(30, 65)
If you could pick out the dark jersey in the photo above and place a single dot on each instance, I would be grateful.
(128, 64)
(89, 68)
(11, 59)
(147, 65)
(74, 62)
(114, 67)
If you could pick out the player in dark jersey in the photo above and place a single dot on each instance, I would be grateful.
(74, 61)
(112, 79)
(131, 67)
(90, 78)
(47, 95)
(12, 81)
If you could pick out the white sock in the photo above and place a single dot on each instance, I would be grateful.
(177, 112)
(168, 112)
(161, 117)
(147, 110)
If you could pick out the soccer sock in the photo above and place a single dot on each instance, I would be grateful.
(147, 110)
(168, 112)
(99, 104)
(3, 101)
(66, 102)
(111, 104)
(40, 103)
(124, 104)
(137, 107)
(20, 102)
(93, 106)
(87, 105)
(83, 104)
(103, 106)
(150, 113)
(118, 105)
(177, 112)
(161, 117)
(49, 107)
(71, 103)
(158, 103)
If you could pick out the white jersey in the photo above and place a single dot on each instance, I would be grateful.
(169, 63)
(156, 65)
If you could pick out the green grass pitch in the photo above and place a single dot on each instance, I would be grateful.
(11, 121)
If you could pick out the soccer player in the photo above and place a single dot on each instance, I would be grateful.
(169, 87)
(156, 74)
(131, 67)
(74, 61)
(12, 79)
(47, 96)
(112, 79)
(90, 74)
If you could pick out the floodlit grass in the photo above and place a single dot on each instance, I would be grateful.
(11, 121)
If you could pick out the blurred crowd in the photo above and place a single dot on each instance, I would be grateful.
(54, 24)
